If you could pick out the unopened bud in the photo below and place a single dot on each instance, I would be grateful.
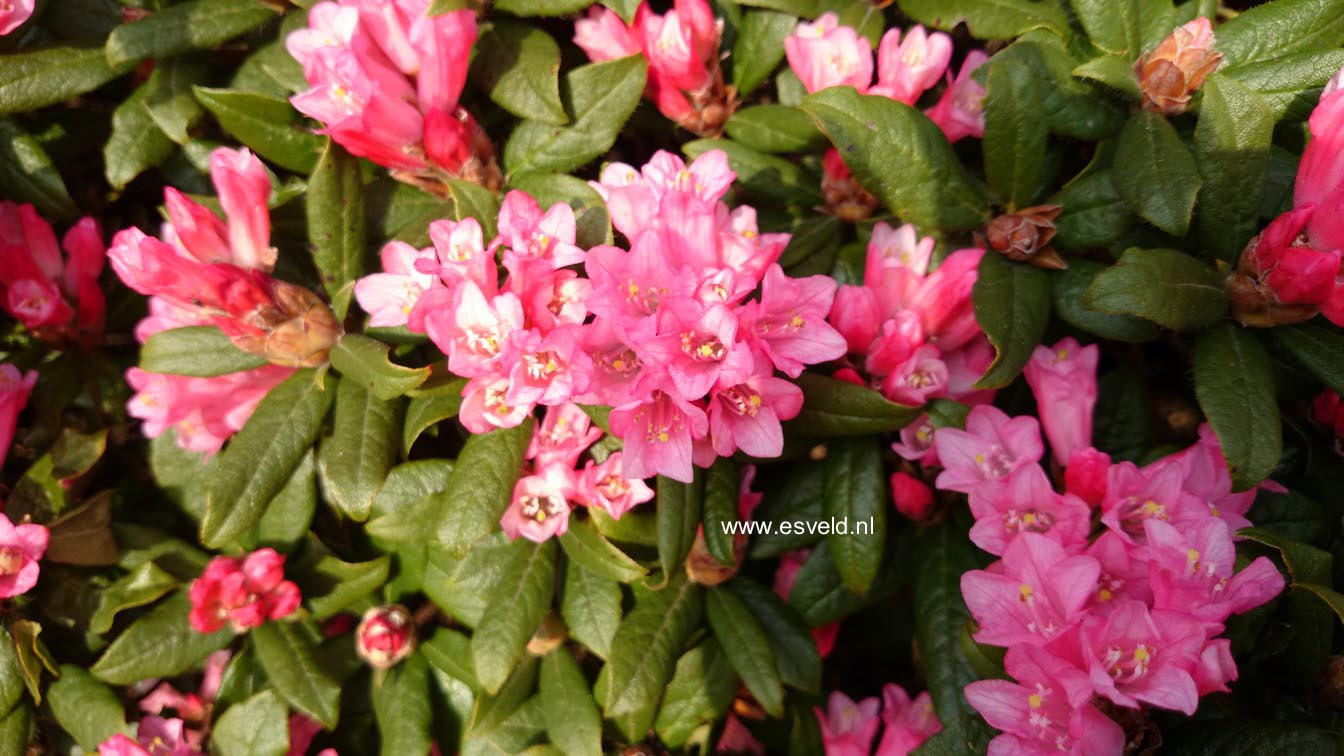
(1169, 74)
(1025, 236)
(704, 568)
(845, 198)
(385, 636)
(710, 108)
(1255, 305)
(295, 329)
(549, 636)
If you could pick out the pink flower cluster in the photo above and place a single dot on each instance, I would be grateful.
(682, 47)
(15, 387)
(386, 77)
(663, 333)
(242, 593)
(825, 54)
(58, 299)
(911, 333)
(1131, 614)
(544, 496)
(848, 728)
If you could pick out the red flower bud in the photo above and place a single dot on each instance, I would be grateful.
(911, 496)
(385, 636)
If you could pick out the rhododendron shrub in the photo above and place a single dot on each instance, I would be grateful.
(831, 377)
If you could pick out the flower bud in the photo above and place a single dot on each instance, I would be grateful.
(845, 198)
(1025, 236)
(704, 568)
(385, 636)
(1169, 74)
(295, 328)
(1085, 475)
(911, 496)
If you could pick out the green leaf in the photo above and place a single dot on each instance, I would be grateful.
(1015, 133)
(518, 602)
(1235, 387)
(450, 651)
(855, 493)
(647, 644)
(195, 350)
(11, 672)
(987, 19)
(572, 720)
(262, 456)
(819, 594)
(678, 519)
(833, 407)
(1169, 288)
(84, 707)
(463, 584)
(143, 585)
(1282, 27)
(794, 496)
(1012, 305)
(354, 460)
(591, 219)
(599, 97)
(586, 546)
(332, 585)
(1232, 143)
(1094, 214)
(795, 650)
(1125, 28)
(747, 647)
(759, 48)
(1248, 736)
(1289, 85)
(775, 128)
(900, 156)
(541, 7)
(28, 174)
(33, 80)
(169, 99)
(702, 688)
(289, 514)
(196, 24)
(1068, 288)
(760, 174)
(1155, 173)
(266, 124)
(1113, 72)
(942, 555)
(160, 644)
(591, 608)
(364, 361)
(258, 726)
(1320, 348)
(475, 201)
(288, 653)
(519, 67)
(16, 729)
(334, 205)
(722, 483)
(430, 407)
(402, 707)
(482, 485)
(1071, 106)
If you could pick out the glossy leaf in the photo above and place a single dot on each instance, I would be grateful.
(1000, 19)
(1235, 387)
(1012, 304)
(775, 128)
(1278, 28)
(196, 24)
(288, 653)
(855, 495)
(85, 707)
(258, 726)
(160, 644)
(645, 649)
(402, 707)
(1068, 287)
(481, 486)
(195, 350)
(354, 460)
(679, 505)
(1164, 286)
(518, 66)
(833, 407)
(747, 647)
(572, 719)
(363, 360)
(28, 174)
(32, 80)
(1155, 173)
(518, 602)
(266, 124)
(1015, 134)
(591, 608)
(759, 47)
(1232, 144)
(334, 205)
(586, 546)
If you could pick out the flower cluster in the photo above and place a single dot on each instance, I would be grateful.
(59, 300)
(663, 333)
(682, 47)
(385, 79)
(848, 728)
(912, 333)
(242, 593)
(1131, 614)
(204, 271)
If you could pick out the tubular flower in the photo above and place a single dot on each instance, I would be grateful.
(57, 298)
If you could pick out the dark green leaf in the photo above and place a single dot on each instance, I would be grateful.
(1015, 133)
(702, 688)
(855, 495)
(288, 653)
(679, 507)
(987, 19)
(160, 644)
(354, 460)
(1235, 387)
(1232, 144)
(795, 649)
(450, 651)
(1248, 736)
(1320, 348)
(572, 719)
(519, 67)
(196, 24)
(1012, 305)
(141, 586)
(1093, 215)
(32, 80)
(833, 407)
(586, 546)
(136, 143)
(759, 47)
(402, 707)
(541, 7)
(591, 608)
(16, 729)
(1278, 28)
(85, 708)
(1169, 288)
(1289, 85)
(266, 124)
(11, 672)
(747, 647)
(258, 726)
(1126, 27)
(481, 486)
(364, 361)
(647, 644)
(429, 407)
(818, 592)
(195, 350)
(332, 585)
(462, 585)
(775, 128)
(518, 602)
(722, 481)
(28, 174)
(1114, 72)
(942, 555)
(760, 174)
(1068, 288)
(169, 99)
(291, 511)
(1155, 173)
(334, 205)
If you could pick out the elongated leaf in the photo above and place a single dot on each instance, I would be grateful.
(28, 174)
(833, 407)
(1278, 28)
(289, 655)
(572, 719)
(32, 80)
(1289, 85)
(591, 608)
(195, 350)
(1232, 144)
(1068, 288)
(1155, 173)
(541, 7)
(450, 651)
(1320, 348)
(855, 496)
(363, 360)
(289, 514)
(401, 704)
(85, 707)
(900, 156)
(141, 586)
(1012, 305)
(586, 546)
(463, 584)
(429, 407)
(136, 143)
(648, 643)
(354, 460)
(775, 128)
(262, 456)
(1171, 289)
(16, 728)
(266, 124)
(722, 481)
(258, 726)
(332, 584)
(795, 649)
(678, 519)
(196, 24)
(701, 691)
(1094, 213)
(819, 594)
(1126, 27)
(759, 47)
(169, 99)
(986, 19)
(11, 672)
(519, 67)
(942, 554)
(747, 647)
(160, 644)
(334, 205)
(481, 486)
(1235, 387)
(518, 602)
(1015, 133)
(1115, 72)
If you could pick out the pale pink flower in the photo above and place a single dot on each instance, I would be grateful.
(202, 412)
(541, 504)
(907, 67)
(920, 377)
(747, 415)
(606, 486)
(1135, 496)
(960, 111)
(474, 331)
(531, 234)
(825, 54)
(563, 435)
(1064, 380)
(485, 405)
(789, 323)
(698, 347)
(847, 728)
(604, 36)
(991, 448)
(389, 296)
(547, 369)
(1033, 595)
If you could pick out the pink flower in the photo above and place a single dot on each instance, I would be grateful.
(485, 405)
(789, 323)
(15, 386)
(1085, 475)
(1320, 175)
(244, 186)
(473, 332)
(1026, 503)
(531, 234)
(21, 546)
(242, 593)
(1124, 572)
(738, 740)
(563, 435)
(847, 728)
(1048, 710)
(13, 15)
(1036, 593)
(906, 722)
(547, 369)
(389, 296)
(657, 435)
(698, 347)
(604, 36)
(541, 504)
(202, 412)
(1193, 572)
(1205, 476)
(1281, 260)
(911, 496)
(155, 736)
(920, 377)
(58, 299)
(1216, 667)
(1135, 496)
(605, 485)
(747, 415)
(960, 111)
(916, 444)
(825, 54)
(906, 68)
(1064, 380)
(992, 447)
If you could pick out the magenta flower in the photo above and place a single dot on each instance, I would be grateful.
(1320, 175)
(1135, 496)
(57, 298)
(906, 722)
(1026, 503)
(530, 234)
(242, 593)
(1064, 380)
(657, 435)
(1085, 475)
(547, 370)
(541, 504)
(1124, 572)
(1205, 476)
(916, 442)
(15, 386)
(155, 736)
(992, 447)
(1035, 594)
(747, 415)
(911, 496)
(1194, 572)
(21, 547)
(847, 728)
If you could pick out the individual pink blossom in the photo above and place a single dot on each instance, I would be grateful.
(847, 728)
(485, 405)
(604, 36)
(541, 504)
(193, 708)
(1193, 572)
(57, 298)
(747, 415)
(530, 233)
(389, 296)
(1216, 667)
(546, 370)
(1206, 477)
(960, 111)
(1064, 379)
(911, 496)
(1320, 175)
(906, 722)
(657, 435)
(473, 332)
(1124, 572)
(14, 14)
(1026, 503)
(789, 322)
(921, 376)
(242, 593)
(698, 347)
(1085, 475)
(203, 413)
(825, 54)
(21, 547)
(15, 387)
(1136, 496)
(1047, 710)
(155, 736)
(992, 447)
(909, 66)
(605, 485)
(1036, 593)
(916, 442)
(564, 433)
